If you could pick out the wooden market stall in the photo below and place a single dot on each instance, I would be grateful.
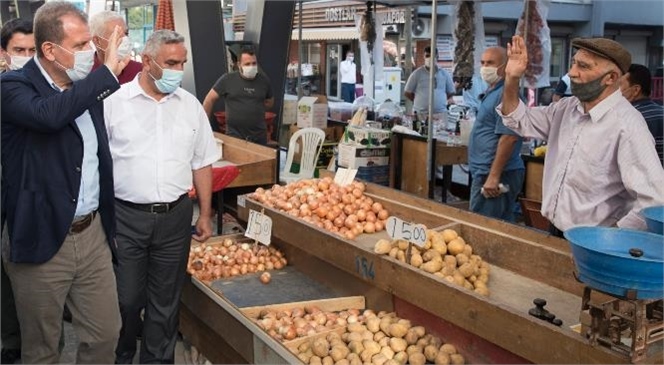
(525, 264)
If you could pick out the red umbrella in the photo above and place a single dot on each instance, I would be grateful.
(165, 15)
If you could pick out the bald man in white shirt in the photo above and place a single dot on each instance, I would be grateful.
(161, 142)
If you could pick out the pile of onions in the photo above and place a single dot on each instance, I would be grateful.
(288, 324)
(228, 259)
(344, 210)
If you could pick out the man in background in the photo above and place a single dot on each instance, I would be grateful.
(417, 86)
(101, 27)
(563, 88)
(348, 71)
(18, 43)
(247, 95)
(635, 87)
(493, 149)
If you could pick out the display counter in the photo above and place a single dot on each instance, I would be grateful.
(525, 264)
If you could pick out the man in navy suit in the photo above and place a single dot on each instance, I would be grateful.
(57, 189)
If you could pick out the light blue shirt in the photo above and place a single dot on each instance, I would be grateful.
(88, 194)
(487, 130)
(471, 97)
(418, 83)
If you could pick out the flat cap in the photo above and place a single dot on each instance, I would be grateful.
(606, 48)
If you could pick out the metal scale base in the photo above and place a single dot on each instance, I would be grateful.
(626, 326)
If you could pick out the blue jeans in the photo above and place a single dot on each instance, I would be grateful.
(503, 206)
(348, 92)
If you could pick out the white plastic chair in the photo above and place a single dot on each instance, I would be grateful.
(311, 144)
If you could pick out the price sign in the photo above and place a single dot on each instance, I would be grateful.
(344, 177)
(398, 229)
(259, 227)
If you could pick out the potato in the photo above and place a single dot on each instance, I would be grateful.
(417, 358)
(385, 325)
(327, 360)
(353, 356)
(356, 347)
(447, 271)
(457, 359)
(432, 266)
(382, 247)
(333, 336)
(357, 361)
(336, 342)
(413, 349)
(356, 327)
(450, 261)
(392, 362)
(378, 359)
(342, 362)
(354, 337)
(449, 235)
(416, 260)
(450, 279)
(435, 341)
(367, 354)
(448, 349)
(379, 335)
(373, 346)
(462, 259)
(402, 244)
(388, 352)
(315, 360)
(430, 255)
(401, 256)
(456, 246)
(458, 278)
(367, 335)
(468, 250)
(385, 341)
(321, 347)
(401, 357)
(411, 337)
(468, 285)
(304, 346)
(466, 269)
(339, 352)
(304, 357)
(430, 352)
(397, 344)
(482, 290)
(393, 252)
(483, 278)
(398, 330)
(442, 359)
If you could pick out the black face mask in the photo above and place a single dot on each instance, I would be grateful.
(590, 90)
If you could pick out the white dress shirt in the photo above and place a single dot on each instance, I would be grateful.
(156, 144)
(347, 69)
(601, 167)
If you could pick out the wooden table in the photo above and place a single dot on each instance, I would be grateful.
(258, 166)
(408, 170)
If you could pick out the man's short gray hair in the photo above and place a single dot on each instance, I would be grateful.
(99, 20)
(48, 22)
(158, 39)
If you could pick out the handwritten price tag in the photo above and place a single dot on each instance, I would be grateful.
(259, 227)
(344, 177)
(398, 229)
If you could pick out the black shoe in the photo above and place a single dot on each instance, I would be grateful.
(9, 356)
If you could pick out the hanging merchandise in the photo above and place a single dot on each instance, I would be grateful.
(368, 30)
(464, 36)
(371, 53)
(537, 37)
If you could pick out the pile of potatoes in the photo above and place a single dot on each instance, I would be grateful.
(288, 324)
(384, 339)
(228, 259)
(445, 254)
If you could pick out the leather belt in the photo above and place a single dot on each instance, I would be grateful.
(154, 208)
(82, 223)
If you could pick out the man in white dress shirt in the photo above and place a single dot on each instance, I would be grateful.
(601, 167)
(160, 141)
(348, 70)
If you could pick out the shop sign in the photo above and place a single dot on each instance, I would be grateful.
(340, 14)
(394, 17)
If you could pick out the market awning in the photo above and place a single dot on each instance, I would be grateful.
(315, 34)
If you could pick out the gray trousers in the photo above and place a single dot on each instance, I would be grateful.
(80, 274)
(151, 268)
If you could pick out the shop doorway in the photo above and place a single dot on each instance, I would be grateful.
(335, 54)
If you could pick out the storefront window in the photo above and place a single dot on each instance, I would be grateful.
(140, 21)
(558, 65)
(312, 53)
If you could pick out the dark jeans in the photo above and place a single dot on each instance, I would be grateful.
(152, 260)
(503, 206)
(11, 332)
(348, 92)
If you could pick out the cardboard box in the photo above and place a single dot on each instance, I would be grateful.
(352, 156)
(367, 137)
(290, 110)
(312, 112)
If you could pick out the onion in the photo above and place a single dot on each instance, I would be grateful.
(357, 193)
(376, 207)
(379, 225)
(265, 277)
(383, 214)
(369, 227)
(361, 215)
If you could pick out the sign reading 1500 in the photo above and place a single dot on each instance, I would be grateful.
(347, 14)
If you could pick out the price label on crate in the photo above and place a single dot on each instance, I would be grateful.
(344, 177)
(399, 229)
(259, 227)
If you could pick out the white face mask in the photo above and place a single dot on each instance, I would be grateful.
(18, 62)
(249, 71)
(489, 74)
(83, 62)
(427, 62)
(350, 58)
(124, 49)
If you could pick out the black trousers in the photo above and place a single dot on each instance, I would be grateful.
(11, 332)
(152, 260)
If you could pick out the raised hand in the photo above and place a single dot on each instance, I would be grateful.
(112, 61)
(517, 58)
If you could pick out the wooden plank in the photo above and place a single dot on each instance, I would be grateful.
(231, 339)
(241, 145)
(413, 163)
(492, 320)
(533, 183)
(450, 155)
(330, 305)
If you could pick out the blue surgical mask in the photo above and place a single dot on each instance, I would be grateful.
(83, 62)
(170, 79)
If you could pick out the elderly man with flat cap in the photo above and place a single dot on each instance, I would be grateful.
(601, 167)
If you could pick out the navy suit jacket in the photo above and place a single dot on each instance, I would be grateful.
(42, 153)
